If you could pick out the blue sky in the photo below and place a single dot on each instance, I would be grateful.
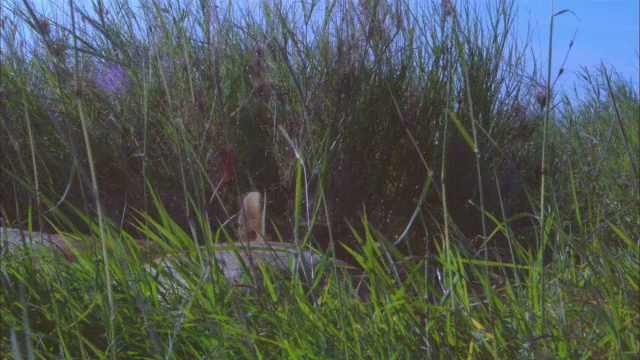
(605, 30)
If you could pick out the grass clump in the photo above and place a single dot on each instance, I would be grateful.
(403, 139)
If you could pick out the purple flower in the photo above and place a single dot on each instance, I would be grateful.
(113, 78)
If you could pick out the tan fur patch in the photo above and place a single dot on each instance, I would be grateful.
(250, 218)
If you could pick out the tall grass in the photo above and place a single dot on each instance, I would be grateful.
(486, 215)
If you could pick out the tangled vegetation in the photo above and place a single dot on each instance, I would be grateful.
(487, 214)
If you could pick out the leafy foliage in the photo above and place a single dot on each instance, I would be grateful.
(405, 139)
